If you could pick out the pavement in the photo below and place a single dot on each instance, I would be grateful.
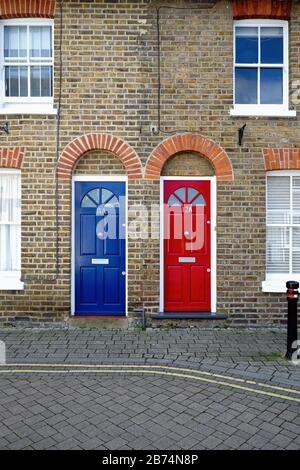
(160, 389)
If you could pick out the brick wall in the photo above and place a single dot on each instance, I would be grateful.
(187, 164)
(99, 163)
(109, 87)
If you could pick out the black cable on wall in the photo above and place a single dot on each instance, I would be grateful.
(58, 124)
(53, 278)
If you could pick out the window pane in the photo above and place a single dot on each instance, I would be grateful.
(95, 195)
(181, 194)
(13, 79)
(46, 81)
(278, 247)
(246, 45)
(246, 85)
(11, 41)
(271, 45)
(278, 192)
(46, 42)
(271, 86)
(173, 201)
(35, 41)
(7, 81)
(23, 42)
(35, 80)
(278, 200)
(16, 81)
(296, 250)
(15, 42)
(40, 41)
(113, 202)
(10, 203)
(10, 198)
(23, 81)
(296, 200)
(10, 253)
(278, 217)
(106, 195)
(87, 202)
(199, 201)
(191, 194)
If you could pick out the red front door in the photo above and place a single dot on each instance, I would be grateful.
(187, 247)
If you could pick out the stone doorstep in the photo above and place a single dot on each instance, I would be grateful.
(83, 321)
(93, 321)
(188, 316)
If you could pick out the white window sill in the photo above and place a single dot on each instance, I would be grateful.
(260, 112)
(34, 109)
(10, 283)
(278, 285)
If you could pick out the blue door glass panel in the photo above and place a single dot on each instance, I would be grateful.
(245, 85)
(100, 248)
(271, 45)
(271, 86)
(246, 45)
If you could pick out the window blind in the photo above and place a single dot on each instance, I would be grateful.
(283, 224)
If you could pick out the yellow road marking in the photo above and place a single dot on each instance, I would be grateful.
(153, 372)
(146, 366)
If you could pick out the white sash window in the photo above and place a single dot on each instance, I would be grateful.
(261, 68)
(10, 229)
(283, 229)
(27, 66)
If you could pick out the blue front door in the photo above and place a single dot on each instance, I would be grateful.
(100, 248)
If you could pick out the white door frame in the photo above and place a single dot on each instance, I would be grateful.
(99, 178)
(213, 234)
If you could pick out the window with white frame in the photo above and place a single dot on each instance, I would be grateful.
(283, 228)
(10, 229)
(27, 65)
(261, 68)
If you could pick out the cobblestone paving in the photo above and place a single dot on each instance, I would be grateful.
(139, 411)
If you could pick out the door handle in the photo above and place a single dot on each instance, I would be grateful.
(208, 270)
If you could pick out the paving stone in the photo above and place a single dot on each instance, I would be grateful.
(211, 442)
(115, 444)
(94, 411)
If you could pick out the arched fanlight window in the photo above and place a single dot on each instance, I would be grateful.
(102, 199)
(184, 196)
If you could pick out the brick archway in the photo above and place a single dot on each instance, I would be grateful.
(81, 145)
(189, 143)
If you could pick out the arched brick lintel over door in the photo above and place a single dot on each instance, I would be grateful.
(274, 9)
(81, 145)
(27, 9)
(11, 157)
(191, 143)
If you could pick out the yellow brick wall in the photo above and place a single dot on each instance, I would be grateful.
(109, 85)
